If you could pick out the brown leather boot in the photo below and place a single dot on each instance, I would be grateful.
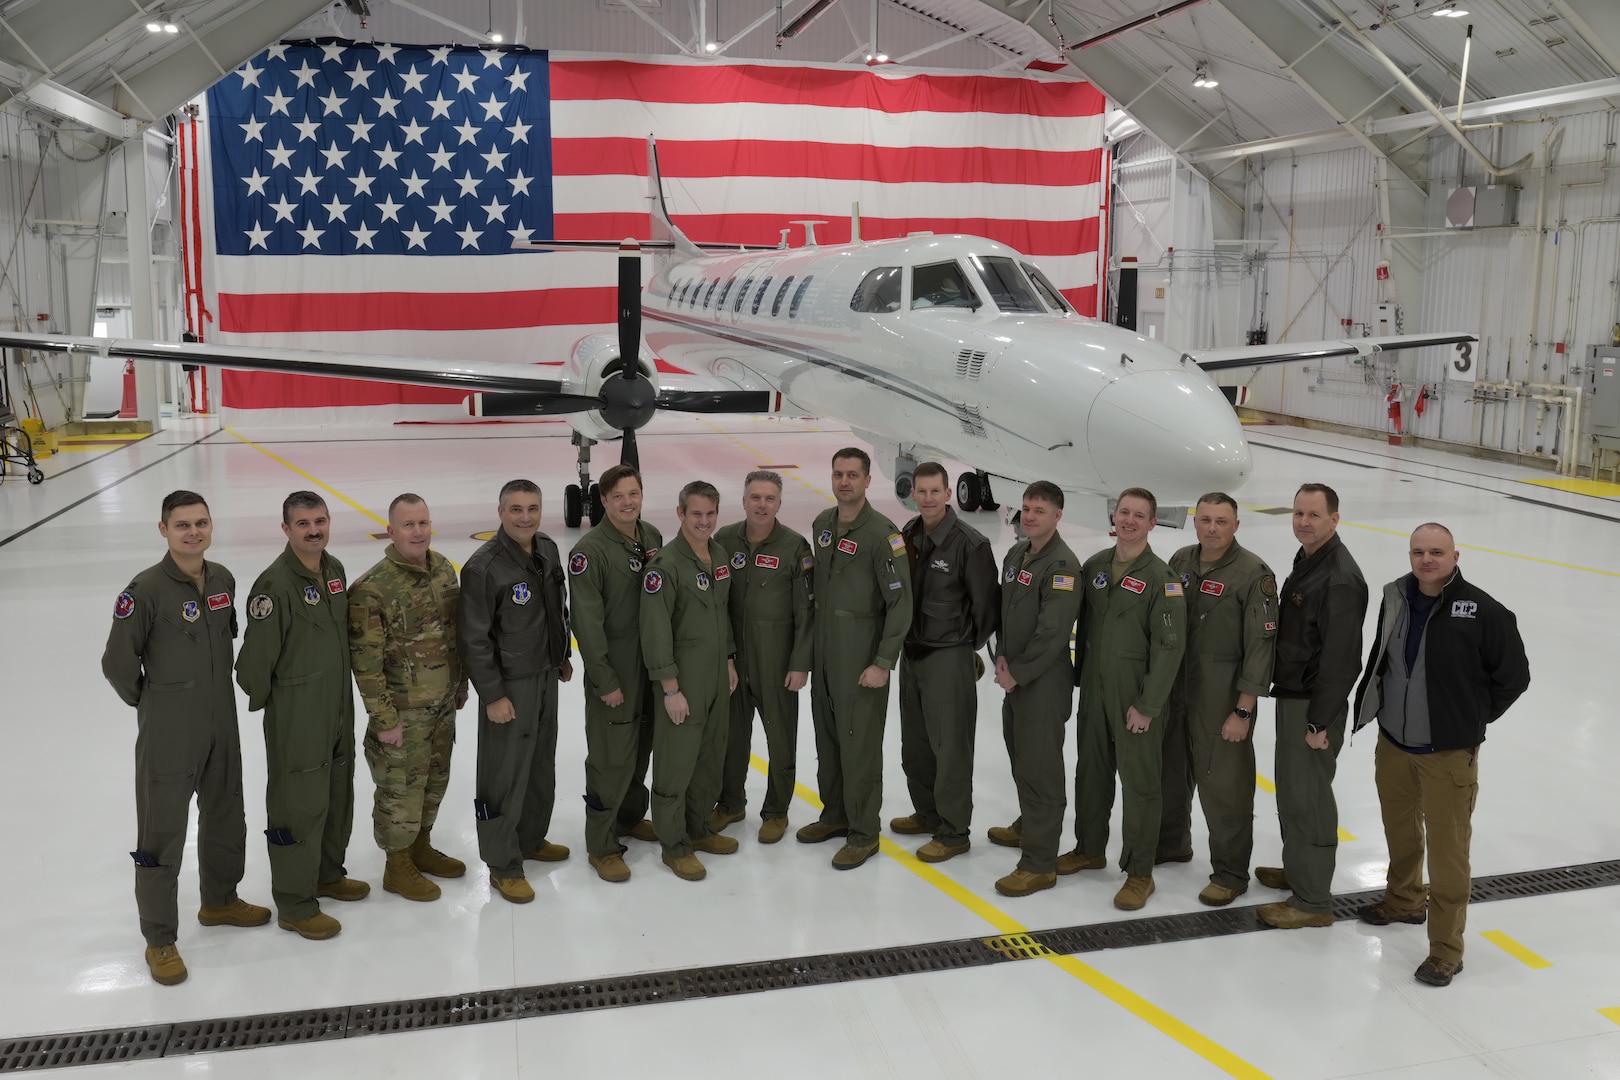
(237, 913)
(318, 927)
(430, 860)
(715, 844)
(165, 965)
(344, 888)
(402, 877)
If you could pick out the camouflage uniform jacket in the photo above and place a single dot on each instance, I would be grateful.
(402, 636)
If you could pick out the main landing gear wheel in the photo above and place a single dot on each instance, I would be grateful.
(969, 492)
(902, 487)
(987, 501)
(596, 508)
(573, 506)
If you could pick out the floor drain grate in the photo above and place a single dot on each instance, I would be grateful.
(83, 1048)
(719, 980)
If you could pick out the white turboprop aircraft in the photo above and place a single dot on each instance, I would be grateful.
(952, 347)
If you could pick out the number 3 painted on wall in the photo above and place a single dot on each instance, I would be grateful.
(1465, 356)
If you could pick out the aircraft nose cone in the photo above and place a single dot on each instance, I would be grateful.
(1172, 432)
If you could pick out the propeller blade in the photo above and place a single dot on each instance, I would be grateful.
(630, 309)
(628, 454)
(542, 404)
(716, 401)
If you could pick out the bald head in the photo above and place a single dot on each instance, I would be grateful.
(1434, 557)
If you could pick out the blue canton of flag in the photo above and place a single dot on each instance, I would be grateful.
(336, 149)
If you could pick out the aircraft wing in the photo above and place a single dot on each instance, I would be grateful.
(1244, 356)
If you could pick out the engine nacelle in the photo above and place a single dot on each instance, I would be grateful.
(594, 359)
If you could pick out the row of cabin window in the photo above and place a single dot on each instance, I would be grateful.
(942, 284)
(691, 290)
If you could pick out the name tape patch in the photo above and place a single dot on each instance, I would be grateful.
(1213, 588)
(219, 601)
(847, 546)
(769, 562)
(1135, 585)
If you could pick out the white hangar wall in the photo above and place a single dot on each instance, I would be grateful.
(1304, 265)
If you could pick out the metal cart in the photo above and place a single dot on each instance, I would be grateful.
(16, 448)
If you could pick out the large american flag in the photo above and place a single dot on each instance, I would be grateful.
(366, 197)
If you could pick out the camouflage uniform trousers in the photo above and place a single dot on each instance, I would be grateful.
(411, 779)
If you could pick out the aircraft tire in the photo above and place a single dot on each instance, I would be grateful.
(596, 509)
(987, 501)
(573, 506)
(967, 492)
(902, 486)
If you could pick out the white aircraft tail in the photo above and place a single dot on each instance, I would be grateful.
(662, 227)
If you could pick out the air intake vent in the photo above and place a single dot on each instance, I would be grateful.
(969, 364)
(972, 423)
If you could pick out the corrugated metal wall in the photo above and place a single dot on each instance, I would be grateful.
(1317, 219)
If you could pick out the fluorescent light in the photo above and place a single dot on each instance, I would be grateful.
(170, 28)
(496, 38)
(154, 28)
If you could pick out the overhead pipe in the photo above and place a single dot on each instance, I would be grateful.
(1132, 24)
(802, 22)
(1491, 168)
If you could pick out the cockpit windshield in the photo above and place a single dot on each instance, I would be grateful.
(941, 285)
(1048, 291)
(1007, 287)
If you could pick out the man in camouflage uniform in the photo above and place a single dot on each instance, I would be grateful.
(771, 624)
(294, 665)
(863, 610)
(604, 584)
(1209, 726)
(169, 655)
(402, 644)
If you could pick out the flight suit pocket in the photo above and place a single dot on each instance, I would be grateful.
(941, 619)
(296, 680)
(168, 687)
(520, 653)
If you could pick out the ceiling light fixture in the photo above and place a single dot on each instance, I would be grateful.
(1202, 78)
(1451, 11)
(154, 28)
(170, 28)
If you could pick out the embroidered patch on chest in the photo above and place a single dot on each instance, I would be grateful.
(520, 593)
(312, 595)
(1135, 585)
(190, 611)
(824, 537)
(767, 562)
(740, 559)
(1025, 577)
(703, 579)
(1212, 588)
(1100, 581)
(847, 546)
(334, 586)
(721, 573)
(219, 601)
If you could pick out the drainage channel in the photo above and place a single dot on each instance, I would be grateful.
(720, 980)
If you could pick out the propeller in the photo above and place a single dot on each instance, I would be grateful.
(628, 399)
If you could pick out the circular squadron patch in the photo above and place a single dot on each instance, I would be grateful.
(653, 581)
(124, 606)
(261, 607)
(578, 563)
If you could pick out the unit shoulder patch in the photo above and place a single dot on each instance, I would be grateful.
(1173, 588)
(1268, 585)
(124, 606)
(261, 607)
(578, 563)
(652, 581)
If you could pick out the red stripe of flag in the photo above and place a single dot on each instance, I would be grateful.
(598, 80)
(298, 313)
(1029, 237)
(828, 161)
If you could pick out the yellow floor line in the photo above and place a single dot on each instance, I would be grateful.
(1600, 488)
(1515, 950)
(323, 486)
(1612, 1012)
(1124, 997)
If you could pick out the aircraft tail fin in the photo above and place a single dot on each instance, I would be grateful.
(662, 227)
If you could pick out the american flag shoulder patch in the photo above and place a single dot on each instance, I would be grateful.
(1173, 588)
(1063, 582)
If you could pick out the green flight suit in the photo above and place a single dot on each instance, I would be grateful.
(294, 665)
(169, 655)
(1231, 637)
(863, 610)
(1132, 634)
(1040, 600)
(686, 636)
(514, 638)
(402, 647)
(771, 624)
(604, 587)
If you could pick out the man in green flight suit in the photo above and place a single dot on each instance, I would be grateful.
(686, 638)
(294, 665)
(514, 644)
(771, 622)
(604, 584)
(1209, 725)
(402, 646)
(1133, 621)
(169, 655)
(863, 610)
(1039, 604)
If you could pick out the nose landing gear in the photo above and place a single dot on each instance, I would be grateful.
(973, 493)
(584, 498)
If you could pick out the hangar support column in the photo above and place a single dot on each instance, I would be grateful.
(142, 309)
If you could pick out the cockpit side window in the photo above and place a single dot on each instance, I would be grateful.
(1006, 286)
(709, 293)
(764, 287)
(941, 285)
(1048, 291)
(798, 296)
(878, 292)
(742, 294)
(776, 304)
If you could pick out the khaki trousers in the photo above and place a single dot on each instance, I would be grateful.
(1428, 801)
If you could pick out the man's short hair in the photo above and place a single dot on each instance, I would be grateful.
(300, 500)
(698, 489)
(526, 487)
(616, 475)
(401, 499)
(858, 454)
(1218, 497)
(1326, 492)
(763, 476)
(1435, 525)
(1046, 491)
(931, 468)
(1140, 493)
(175, 499)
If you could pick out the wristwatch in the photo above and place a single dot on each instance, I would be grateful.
(672, 693)
(1314, 729)
(1243, 714)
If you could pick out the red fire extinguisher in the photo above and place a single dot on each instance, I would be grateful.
(1394, 400)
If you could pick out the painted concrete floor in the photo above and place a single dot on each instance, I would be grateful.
(1316, 1003)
